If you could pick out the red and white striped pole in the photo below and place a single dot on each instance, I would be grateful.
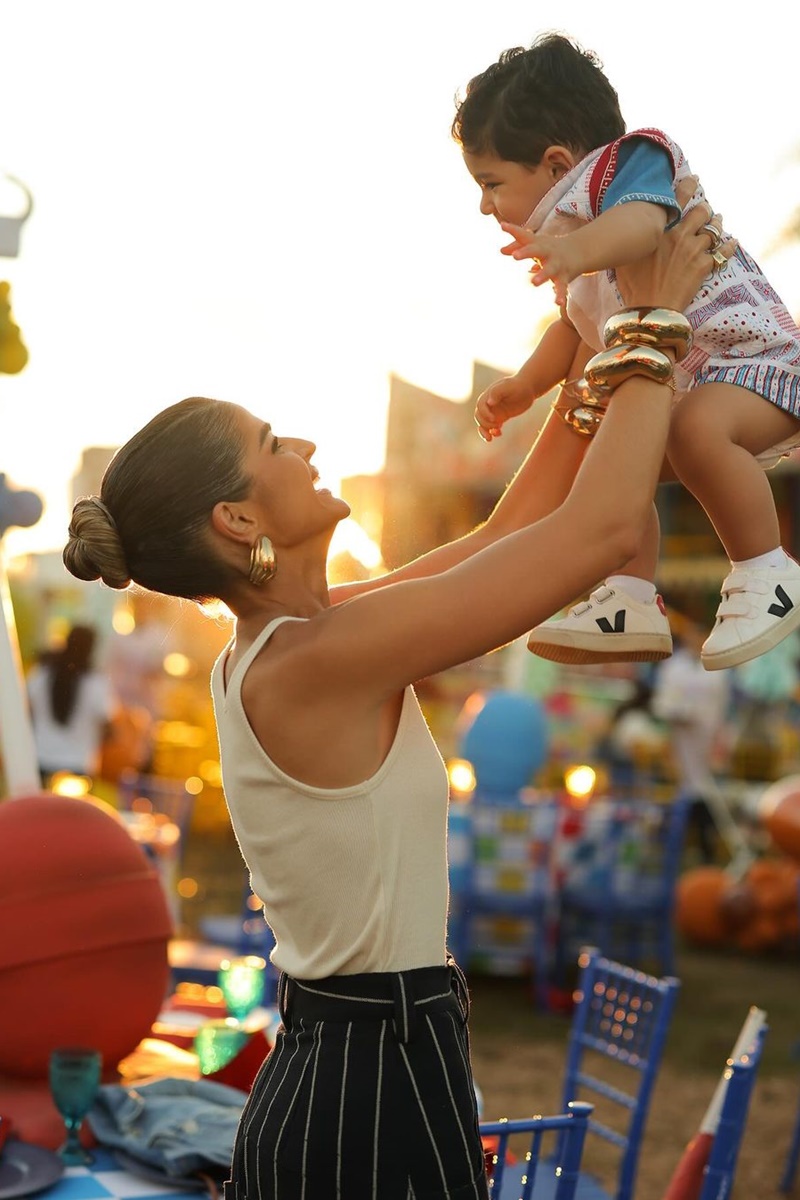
(687, 1180)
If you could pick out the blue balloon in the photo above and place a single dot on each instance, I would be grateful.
(506, 743)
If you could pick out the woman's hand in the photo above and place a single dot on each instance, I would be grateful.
(672, 275)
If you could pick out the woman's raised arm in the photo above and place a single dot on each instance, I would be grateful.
(674, 272)
(442, 613)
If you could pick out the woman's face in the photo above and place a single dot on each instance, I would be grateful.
(285, 484)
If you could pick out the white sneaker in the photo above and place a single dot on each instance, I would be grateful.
(608, 627)
(759, 608)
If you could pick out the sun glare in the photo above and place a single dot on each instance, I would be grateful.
(351, 538)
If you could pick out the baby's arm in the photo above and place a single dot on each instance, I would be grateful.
(547, 366)
(621, 235)
(635, 208)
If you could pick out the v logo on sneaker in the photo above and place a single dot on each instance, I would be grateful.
(785, 605)
(619, 622)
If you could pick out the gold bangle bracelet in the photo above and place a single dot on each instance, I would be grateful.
(610, 368)
(660, 328)
(579, 408)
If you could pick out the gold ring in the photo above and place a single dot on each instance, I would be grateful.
(715, 235)
(719, 260)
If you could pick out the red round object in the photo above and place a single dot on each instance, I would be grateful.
(698, 906)
(84, 932)
(779, 810)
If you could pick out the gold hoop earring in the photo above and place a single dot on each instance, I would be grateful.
(262, 561)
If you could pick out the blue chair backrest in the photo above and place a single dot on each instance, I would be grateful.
(627, 846)
(621, 1016)
(570, 1126)
(721, 1169)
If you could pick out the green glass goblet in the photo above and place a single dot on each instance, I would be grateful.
(217, 1043)
(74, 1083)
(241, 981)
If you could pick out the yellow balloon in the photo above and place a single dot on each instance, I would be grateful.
(13, 355)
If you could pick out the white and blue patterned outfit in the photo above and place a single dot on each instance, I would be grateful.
(743, 332)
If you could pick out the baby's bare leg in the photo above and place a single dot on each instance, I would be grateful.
(715, 435)
(716, 432)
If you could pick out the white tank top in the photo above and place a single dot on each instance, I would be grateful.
(352, 879)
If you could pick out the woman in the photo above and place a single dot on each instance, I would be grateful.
(336, 791)
(71, 707)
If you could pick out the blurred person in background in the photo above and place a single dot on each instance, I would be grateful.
(71, 706)
(693, 704)
(633, 739)
(136, 669)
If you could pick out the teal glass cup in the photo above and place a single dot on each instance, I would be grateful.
(74, 1084)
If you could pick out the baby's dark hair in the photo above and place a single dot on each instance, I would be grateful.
(552, 94)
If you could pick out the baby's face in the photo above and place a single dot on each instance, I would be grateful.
(510, 191)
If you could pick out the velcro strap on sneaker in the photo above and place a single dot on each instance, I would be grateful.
(579, 609)
(736, 605)
(745, 581)
(601, 594)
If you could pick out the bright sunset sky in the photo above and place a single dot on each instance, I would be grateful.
(261, 202)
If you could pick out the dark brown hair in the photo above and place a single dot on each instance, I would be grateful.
(149, 523)
(66, 667)
(552, 94)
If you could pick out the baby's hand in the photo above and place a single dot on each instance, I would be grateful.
(554, 257)
(504, 399)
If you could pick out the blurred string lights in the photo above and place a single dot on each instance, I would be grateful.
(580, 782)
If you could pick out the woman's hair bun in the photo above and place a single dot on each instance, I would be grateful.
(94, 549)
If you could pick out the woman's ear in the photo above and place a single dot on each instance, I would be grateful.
(234, 521)
(559, 160)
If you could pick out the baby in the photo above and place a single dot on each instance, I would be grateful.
(542, 135)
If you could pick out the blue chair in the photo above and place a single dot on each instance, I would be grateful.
(740, 1076)
(793, 1155)
(619, 893)
(500, 871)
(615, 1046)
(563, 1170)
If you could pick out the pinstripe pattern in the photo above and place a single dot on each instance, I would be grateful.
(377, 1122)
(318, 1038)
(449, 1087)
(357, 1104)
(341, 1114)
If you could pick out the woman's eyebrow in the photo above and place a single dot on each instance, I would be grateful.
(266, 430)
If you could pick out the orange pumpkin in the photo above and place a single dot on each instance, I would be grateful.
(775, 883)
(699, 906)
(738, 904)
(762, 933)
(779, 812)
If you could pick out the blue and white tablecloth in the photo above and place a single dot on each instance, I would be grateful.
(105, 1180)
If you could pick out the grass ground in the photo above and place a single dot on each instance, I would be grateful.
(518, 1052)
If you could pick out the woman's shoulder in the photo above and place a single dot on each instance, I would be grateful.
(245, 654)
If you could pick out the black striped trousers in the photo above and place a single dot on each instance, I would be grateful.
(367, 1094)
